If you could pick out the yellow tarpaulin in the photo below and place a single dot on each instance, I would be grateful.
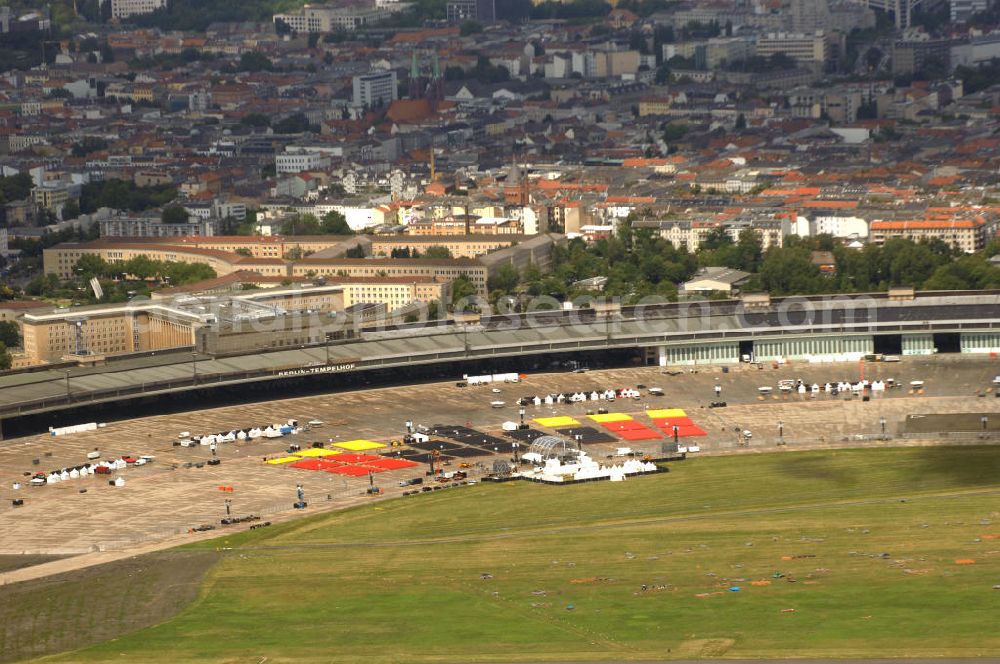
(666, 413)
(601, 418)
(287, 459)
(556, 422)
(359, 445)
(317, 452)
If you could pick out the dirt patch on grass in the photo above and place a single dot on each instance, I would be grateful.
(13, 562)
(705, 647)
(816, 467)
(77, 609)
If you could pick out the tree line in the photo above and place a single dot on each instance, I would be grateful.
(124, 195)
(638, 263)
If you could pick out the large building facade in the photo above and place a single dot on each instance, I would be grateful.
(127, 226)
(423, 268)
(127, 8)
(482, 11)
(967, 235)
(375, 89)
(102, 331)
(324, 18)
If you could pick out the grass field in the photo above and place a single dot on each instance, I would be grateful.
(9, 563)
(865, 541)
(72, 610)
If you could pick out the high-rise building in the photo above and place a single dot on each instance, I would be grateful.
(128, 8)
(809, 15)
(821, 49)
(901, 10)
(376, 88)
(482, 11)
(328, 18)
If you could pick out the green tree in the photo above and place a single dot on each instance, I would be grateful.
(470, 28)
(662, 74)
(255, 120)
(92, 265)
(255, 61)
(123, 195)
(461, 288)
(15, 187)
(88, 145)
(715, 239)
(674, 132)
(505, 280)
(749, 251)
(433, 310)
(296, 123)
(71, 210)
(6, 361)
(789, 270)
(334, 223)
(142, 267)
(437, 251)
(10, 334)
(174, 214)
(300, 224)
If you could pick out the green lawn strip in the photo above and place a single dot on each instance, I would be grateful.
(874, 569)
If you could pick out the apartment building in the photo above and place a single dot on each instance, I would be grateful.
(482, 11)
(293, 161)
(457, 226)
(375, 89)
(51, 197)
(460, 246)
(62, 258)
(393, 292)
(819, 49)
(968, 235)
(121, 9)
(690, 234)
(151, 226)
(426, 268)
(326, 18)
(909, 57)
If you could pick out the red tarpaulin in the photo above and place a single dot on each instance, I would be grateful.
(639, 434)
(685, 428)
(625, 425)
(391, 464)
(354, 471)
(356, 458)
(316, 464)
(631, 430)
(668, 423)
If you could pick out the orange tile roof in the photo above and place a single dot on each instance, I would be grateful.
(924, 224)
(801, 191)
(829, 204)
(410, 110)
